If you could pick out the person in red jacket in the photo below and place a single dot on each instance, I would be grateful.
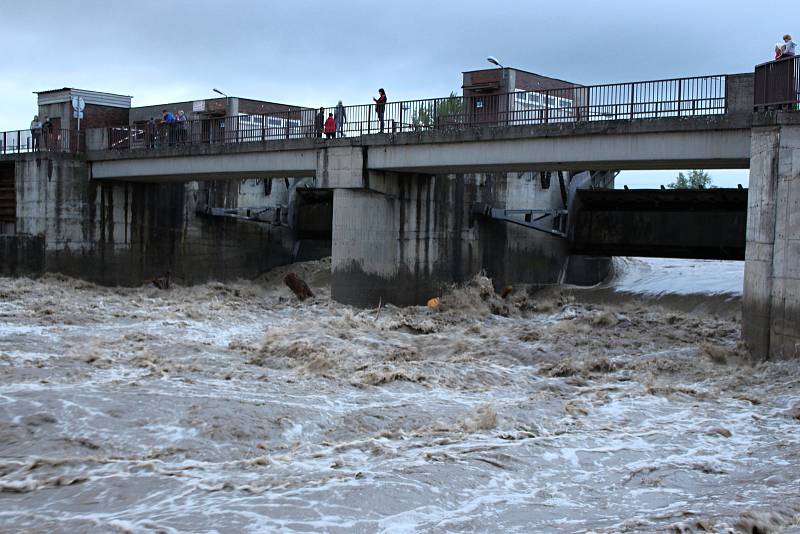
(330, 127)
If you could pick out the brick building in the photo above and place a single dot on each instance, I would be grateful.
(514, 96)
(102, 109)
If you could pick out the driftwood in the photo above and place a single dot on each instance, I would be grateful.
(162, 282)
(298, 286)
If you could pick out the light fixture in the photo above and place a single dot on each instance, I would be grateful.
(493, 60)
(219, 92)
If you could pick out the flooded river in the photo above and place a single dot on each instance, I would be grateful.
(235, 408)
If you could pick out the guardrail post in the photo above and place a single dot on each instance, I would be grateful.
(679, 97)
(632, 91)
(369, 119)
(401, 117)
(19, 147)
(547, 106)
(5, 142)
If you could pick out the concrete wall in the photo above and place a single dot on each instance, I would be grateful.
(771, 301)
(122, 233)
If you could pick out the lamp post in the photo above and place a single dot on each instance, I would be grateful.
(494, 61)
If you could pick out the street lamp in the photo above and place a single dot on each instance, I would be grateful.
(493, 60)
(219, 92)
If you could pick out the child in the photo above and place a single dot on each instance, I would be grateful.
(330, 127)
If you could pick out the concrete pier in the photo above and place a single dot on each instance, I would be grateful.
(402, 237)
(771, 305)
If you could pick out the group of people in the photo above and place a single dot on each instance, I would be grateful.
(173, 129)
(333, 126)
(41, 133)
(786, 48)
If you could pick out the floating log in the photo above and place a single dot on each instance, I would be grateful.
(298, 286)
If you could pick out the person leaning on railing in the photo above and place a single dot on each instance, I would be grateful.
(168, 121)
(36, 132)
(787, 49)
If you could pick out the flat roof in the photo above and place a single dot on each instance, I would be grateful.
(520, 70)
(81, 90)
(65, 94)
(220, 98)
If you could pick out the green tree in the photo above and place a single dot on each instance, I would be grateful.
(448, 111)
(695, 179)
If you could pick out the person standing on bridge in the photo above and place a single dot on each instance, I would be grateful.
(380, 105)
(319, 122)
(330, 127)
(36, 132)
(47, 132)
(151, 133)
(183, 126)
(340, 115)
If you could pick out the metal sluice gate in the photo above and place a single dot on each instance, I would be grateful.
(535, 219)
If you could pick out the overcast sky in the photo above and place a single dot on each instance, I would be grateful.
(313, 52)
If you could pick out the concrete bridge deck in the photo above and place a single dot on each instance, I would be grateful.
(713, 141)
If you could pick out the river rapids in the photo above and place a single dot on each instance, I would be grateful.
(629, 407)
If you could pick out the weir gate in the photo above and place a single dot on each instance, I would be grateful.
(409, 196)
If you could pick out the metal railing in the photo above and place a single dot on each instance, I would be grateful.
(776, 84)
(238, 129)
(681, 97)
(22, 141)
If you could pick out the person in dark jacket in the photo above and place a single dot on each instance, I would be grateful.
(47, 133)
(330, 127)
(151, 131)
(319, 122)
(380, 105)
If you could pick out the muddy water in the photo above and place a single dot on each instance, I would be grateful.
(233, 408)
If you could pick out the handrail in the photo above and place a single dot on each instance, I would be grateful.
(677, 97)
(776, 85)
(39, 140)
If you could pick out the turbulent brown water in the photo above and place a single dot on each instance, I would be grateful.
(234, 408)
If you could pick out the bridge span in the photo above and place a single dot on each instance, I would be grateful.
(390, 198)
(711, 142)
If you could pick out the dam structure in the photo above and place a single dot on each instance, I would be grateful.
(513, 178)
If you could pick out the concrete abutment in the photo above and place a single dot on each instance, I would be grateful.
(122, 233)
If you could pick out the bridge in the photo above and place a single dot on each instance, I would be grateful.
(665, 124)
(420, 193)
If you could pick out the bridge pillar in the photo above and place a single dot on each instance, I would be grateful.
(401, 237)
(771, 300)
